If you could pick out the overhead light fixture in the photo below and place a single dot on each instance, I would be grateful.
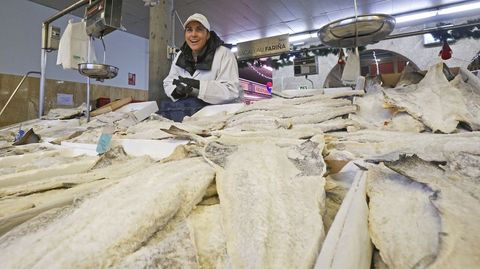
(295, 38)
(415, 16)
(433, 13)
(459, 8)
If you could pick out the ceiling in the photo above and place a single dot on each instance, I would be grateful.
(242, 20)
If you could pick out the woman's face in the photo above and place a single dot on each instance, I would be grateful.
(196, 36)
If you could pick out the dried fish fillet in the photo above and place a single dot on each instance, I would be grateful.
(35, 160)
(283, 186)
(209, 236)
(297, 133)
(171, 247)
(372, 114)
(404, 224)
(257, 122)
(469, 86)
(335, 124)
(457, 202)
(409, 76)
(143, 203)
(75, 167)
(336, 187)
(386, 145)
(347, 244)
(327, 114)
(307, 103)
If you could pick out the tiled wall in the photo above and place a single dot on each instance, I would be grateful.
(24, 105)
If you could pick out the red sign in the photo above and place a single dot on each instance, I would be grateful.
(131, 79)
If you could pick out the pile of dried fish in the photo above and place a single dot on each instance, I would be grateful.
(439, 103)
(263, 187)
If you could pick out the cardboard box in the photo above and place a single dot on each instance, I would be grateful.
(390, 80)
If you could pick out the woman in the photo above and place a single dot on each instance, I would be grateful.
(203, 72)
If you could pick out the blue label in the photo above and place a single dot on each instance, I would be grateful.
(19, 135)
(104, 143)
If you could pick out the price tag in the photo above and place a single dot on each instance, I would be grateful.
(105, 138)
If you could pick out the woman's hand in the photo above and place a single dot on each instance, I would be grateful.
(194, 83)
(183, 90)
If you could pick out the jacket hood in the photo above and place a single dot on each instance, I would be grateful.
(204, 59)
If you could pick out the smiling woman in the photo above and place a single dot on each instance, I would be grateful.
(204, 71)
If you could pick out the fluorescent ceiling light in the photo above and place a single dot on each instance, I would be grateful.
(294, 38)
(459, 8)
(415, 16)
(433, 13)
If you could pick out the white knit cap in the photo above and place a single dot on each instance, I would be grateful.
(200, 18)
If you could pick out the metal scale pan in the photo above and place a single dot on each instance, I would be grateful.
(342, 33)
(98, 71)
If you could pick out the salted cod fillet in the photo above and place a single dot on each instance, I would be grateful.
(372, 114)
(171, 247)
(347, 244)
(209, 236)
(458, 204)
(112, 224)
(438, 103)
(404, 225)
(386, 145)
(334, 124)
(336, 187)
(271, 206)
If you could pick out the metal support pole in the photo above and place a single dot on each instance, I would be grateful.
(433, 29)
(88, 99)
(88, 78)
(43, 68)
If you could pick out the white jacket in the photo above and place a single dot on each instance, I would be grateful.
(218, 85)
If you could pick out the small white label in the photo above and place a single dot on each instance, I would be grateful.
(303, 87)
(64, 99)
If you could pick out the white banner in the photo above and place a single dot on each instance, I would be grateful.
(263, 47)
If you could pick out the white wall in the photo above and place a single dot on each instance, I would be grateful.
(20, 46)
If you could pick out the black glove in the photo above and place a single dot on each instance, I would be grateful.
(182, 90)
(194, 83)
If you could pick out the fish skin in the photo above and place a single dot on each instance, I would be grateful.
(457, 200)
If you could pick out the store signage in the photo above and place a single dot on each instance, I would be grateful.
(131, 78)
(263, 47)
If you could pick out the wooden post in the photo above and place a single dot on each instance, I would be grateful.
(159, 65)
